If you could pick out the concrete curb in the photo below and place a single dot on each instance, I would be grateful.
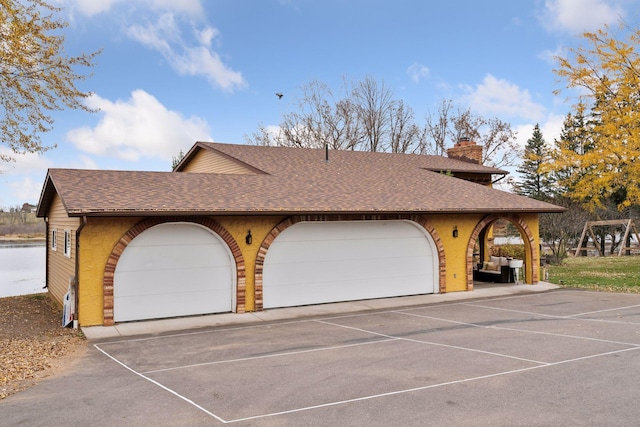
(152, 327)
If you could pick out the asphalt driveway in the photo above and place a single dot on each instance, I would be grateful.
(555, 358)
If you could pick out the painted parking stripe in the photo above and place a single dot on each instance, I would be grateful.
(288, 353)
(435, 343)
(178, 395)
(390, 338)
(604, 311)
(415, 389)
(527, 331)
(567, 317)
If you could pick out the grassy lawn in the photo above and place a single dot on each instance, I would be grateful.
(612, 274)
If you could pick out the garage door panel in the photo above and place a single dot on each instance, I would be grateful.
(173, 269)
(349, 290)
(344, 270)
(146, 282)
(172, 233)
(337, 249)
(175, 304)
(365, 230)
(321, 262)
(171, 256)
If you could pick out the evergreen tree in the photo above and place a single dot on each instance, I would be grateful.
(536, 182)
(575, 140)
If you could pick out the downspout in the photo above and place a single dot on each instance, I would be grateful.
(47, 242)
(498, 180)
(76, 282)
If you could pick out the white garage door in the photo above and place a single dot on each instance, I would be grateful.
(319, 262)
(173, 269)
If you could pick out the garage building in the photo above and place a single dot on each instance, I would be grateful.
(238, 228)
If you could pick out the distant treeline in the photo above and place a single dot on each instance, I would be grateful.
(21, 224)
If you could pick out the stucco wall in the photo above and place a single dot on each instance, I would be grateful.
(238, 227)
(97, 239)
(100, 235)
(532, 270)
(455, 247)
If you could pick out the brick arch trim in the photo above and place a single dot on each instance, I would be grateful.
(125, 240)
(532, 261)
(288, 222)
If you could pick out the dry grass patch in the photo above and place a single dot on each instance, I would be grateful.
(33, 342)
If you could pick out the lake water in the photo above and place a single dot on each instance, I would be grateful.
(22, 269)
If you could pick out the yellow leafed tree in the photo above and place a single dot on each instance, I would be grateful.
(606, 73)
(37, 77)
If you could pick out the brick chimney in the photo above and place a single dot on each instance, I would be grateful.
(466, 150)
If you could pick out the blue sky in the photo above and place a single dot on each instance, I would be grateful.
(175, 72)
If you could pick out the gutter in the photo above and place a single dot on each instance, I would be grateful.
(47, 242)
(498, 180)
(76, 283)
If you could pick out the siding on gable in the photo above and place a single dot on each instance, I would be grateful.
(60, 266)
(205, 161)
(478, 178)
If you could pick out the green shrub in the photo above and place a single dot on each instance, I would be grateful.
(509, 250)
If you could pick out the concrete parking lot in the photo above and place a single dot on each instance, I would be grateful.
(563, 357)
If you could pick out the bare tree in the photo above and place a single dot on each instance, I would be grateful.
(498, 140)
(404, 135)
(366, 117)
(559, 232)
(438, 130)
(373, 103)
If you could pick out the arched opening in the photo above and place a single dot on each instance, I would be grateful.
(339, 230)
(173, 239)
(497, 240)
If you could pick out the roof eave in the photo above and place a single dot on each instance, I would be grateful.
(46, 196)
(288, 212)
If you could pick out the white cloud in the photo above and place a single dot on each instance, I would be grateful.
(549, 56)
(165, 23)
(26, 189)
(417, 72)
(206, 35)
(83, 162)
(92, 7)
(500, 97)
(199, 60)
(551, 127)
(95, 7)
(140, 127)
(159, 36)
(577, 16)
(24, 163)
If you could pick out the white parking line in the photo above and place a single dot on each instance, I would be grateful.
(568, 317)
(208, 331)
(527, 331)
(288, 353)
(606, 310)
(178, 395)
(385, 338)
(293, 322)
(415, 389)
(475, 350)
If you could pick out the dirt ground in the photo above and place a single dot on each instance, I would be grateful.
(33, 343)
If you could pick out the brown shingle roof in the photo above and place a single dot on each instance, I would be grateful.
(295, 181)
(270, 159)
